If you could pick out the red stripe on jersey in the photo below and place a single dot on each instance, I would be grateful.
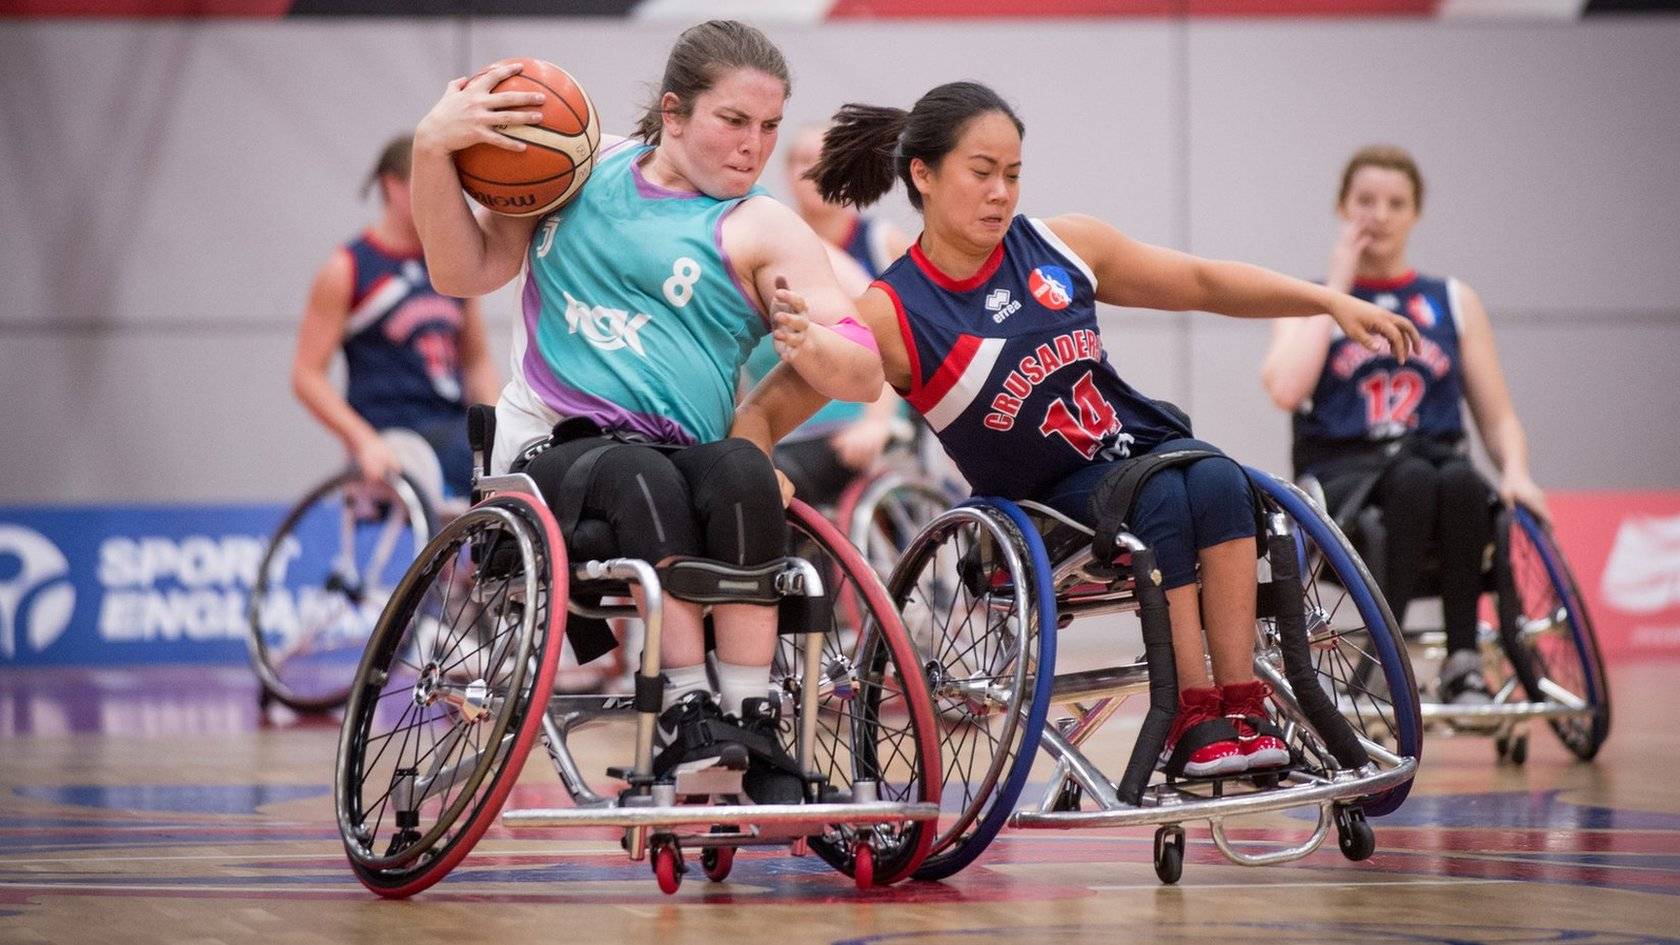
(947, 375)
(1387, 285)
(987, 270)
(904, 332)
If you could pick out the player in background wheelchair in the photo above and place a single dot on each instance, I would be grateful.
(414, 359)
(1386, 446)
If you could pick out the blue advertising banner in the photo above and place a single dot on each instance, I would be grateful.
(128, 584)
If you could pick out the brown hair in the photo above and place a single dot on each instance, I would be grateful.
(395, 159)
(701, 56)
(1388, 156)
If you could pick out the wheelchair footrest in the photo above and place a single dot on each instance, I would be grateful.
(1174, 807)
(875, 812)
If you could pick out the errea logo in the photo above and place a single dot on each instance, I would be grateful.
(1000, 305)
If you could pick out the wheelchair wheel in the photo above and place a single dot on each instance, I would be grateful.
(882, 513)
(1356, 647)
(322, 582)
(974, 592)
(450, 694)
(1548, 636)
(875, 720)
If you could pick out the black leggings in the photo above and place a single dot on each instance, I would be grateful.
(1445, 505)
(717, 500)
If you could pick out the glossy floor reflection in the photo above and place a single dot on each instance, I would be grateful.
(160, 805)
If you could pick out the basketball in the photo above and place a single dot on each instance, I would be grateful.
(559, 152)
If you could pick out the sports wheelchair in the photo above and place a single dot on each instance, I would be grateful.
(986, 588)
(456, 685)
(1535, 636)
(328, 571)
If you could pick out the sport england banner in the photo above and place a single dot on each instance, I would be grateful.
(94, 585)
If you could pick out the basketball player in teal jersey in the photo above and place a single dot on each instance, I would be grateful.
(641, 299)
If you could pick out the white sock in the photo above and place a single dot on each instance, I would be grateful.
(737, 683)
(682, 680)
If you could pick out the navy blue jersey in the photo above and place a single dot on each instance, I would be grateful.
(1009, 370)
(400, 342)
(1363, 396)
(866, 244)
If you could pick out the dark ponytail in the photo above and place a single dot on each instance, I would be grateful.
(858, 154)
(868, 144)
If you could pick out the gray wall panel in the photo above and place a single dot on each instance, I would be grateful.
(167, 189)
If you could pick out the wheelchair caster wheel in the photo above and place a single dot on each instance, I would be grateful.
(1169, 853)
(1069, 797)
(1519, 749)
(1354, 835)
(717, 862)
(667, 867)
(863, 864)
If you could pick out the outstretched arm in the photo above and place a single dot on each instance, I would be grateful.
(1137, 274)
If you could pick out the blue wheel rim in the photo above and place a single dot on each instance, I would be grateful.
(1008, 789)
(1565, 590)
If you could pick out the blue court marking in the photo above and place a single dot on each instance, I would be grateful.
(173, 798)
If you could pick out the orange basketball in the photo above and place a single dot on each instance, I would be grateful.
(559, 153)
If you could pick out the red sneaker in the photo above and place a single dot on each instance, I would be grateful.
(1260, 740)
(1202, 742)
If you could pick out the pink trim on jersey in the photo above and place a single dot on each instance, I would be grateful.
(986, 271)
(1387, 285)
(904, 332)
(852, 330)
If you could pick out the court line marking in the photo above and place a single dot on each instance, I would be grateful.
(1306, 885)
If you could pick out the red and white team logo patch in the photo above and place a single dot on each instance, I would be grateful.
(1421, 311)
(1051, 286)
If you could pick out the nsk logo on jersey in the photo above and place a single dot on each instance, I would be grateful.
(1051, 286)
(606, 328)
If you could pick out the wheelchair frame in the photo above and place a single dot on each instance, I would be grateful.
(1507, 718)
(1079, 585)
(655, 825)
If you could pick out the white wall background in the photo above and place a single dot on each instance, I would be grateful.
(167, 190)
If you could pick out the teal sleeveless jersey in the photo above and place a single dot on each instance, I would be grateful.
(632, 314)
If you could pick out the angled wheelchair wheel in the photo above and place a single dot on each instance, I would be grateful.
(882, 513)
(322, 582)
(450, 694)
(1547, 634)
(875, 720)
(973, 589)
(1355, 645)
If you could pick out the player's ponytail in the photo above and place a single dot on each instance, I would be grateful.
(867, 145)
(858, 154)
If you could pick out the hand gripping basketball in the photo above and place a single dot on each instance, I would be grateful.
(469, 112)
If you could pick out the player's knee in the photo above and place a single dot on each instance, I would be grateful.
(737, 500)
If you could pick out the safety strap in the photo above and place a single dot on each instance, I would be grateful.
(1111, 501)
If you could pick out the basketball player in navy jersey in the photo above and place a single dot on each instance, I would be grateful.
(989, 327)
(414, 358)
(1376, 431)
